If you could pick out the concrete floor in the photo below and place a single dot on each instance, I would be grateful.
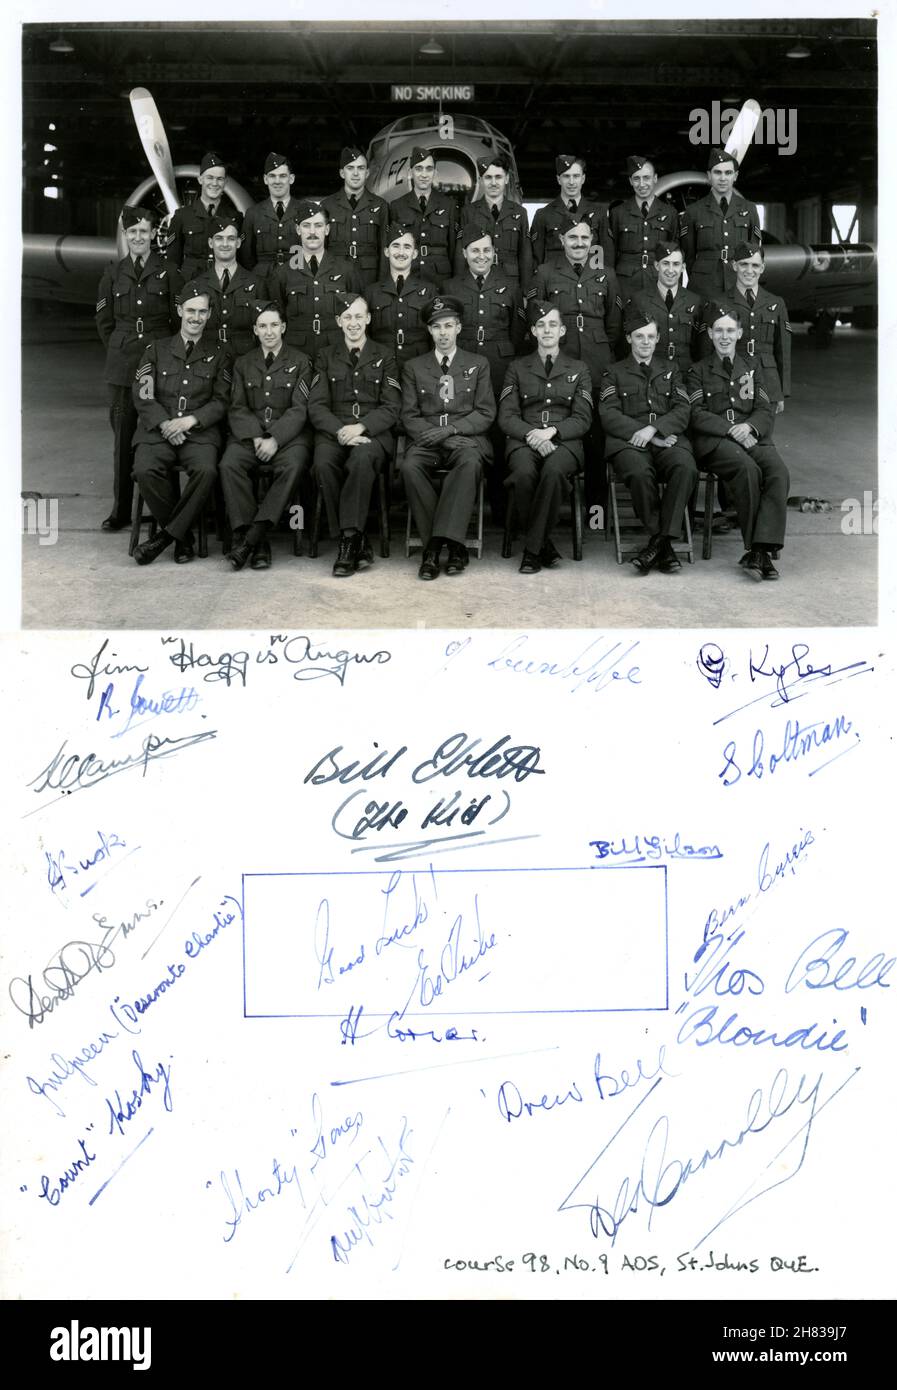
(86, 580)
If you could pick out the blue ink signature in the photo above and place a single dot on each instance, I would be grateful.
(652, 847)
(797, 743)
(598, 675)
(121, 1112)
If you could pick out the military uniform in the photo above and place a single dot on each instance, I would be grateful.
(310, 302)
(267, 238)
(766, 341)
(709, 238)
(533, 399)
(189, 232)
(756, 478)
(460, 400)
(590, 307)
(553, 217)
(634, 395)
(232, 311)
(172, 384)
(395, 318)
(132, 311)
(630, 238)
(680, 329)
(434, 231)
(510, 238)
(266, 402)
(357, 234)
(492, 319)
(366, 392)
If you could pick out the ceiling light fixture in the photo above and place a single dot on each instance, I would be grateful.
(432, 48)
(798, 50)
(61, 45)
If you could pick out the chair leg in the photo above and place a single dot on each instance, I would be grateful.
(383, 498)
(576, 504)
(315, 524)
(507, 540)
(709, 494)
(480, 499)
(615, 516)
(689, 543)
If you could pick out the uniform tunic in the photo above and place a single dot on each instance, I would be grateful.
(630, 239)
(680, 330)
(169, 385)
(395, 318)
(131, 312)
(434, 230)
(367, 393)
(510, 238)
(266, 402)
(462, 401)
(189, 232)
(757, 478)
(591, 308)
(533, 399)
(232, 311)
(309, 301)
(766, 341)
(357, 234)
(632, 398)
(709, 239)
(548, 221)
(267, 239)
(492, 320)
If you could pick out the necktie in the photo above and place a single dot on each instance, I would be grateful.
(353, 201)
(278, 208)
(750, 297)
(494, 210)
(724, 205)
(445, 364)
(480, 282)
(188, 348)
(269, 358)
(313, 264)
(549, 363)
(138, 265)
(213, 208)
(644, 368)
(727, 363)
(353, 357)
(645, 210)
(423, 203)
(400, 284)
(577, 271)
(669, 300)
(225, 281)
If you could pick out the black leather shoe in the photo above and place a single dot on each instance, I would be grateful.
(183, 552)
(530, 564)
(550, 556)
(669, 561)
(429, 565)
(769, 569)
(113, 523)
(458, 558)
(649, 557)
(261, 556)
(365, 553)
(752, 564)
(151, 550)
(346, 561)
(239, 553)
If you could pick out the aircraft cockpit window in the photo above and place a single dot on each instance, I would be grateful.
(455, 173)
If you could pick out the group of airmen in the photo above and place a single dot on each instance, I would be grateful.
(310, 333)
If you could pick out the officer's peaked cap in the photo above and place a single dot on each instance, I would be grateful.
(442, 307)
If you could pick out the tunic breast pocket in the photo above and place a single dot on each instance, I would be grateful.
(202, 373)
(704, 235)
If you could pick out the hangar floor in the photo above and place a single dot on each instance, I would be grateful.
(86, 579)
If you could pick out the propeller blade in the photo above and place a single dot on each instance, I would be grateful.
(155, 145)
(742, 132)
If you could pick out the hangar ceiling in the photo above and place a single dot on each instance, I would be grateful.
(604, 88)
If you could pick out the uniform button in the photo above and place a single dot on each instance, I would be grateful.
(139, 302)
(186, 381)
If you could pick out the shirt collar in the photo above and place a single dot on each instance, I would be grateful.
(265, 351)
(439, 356)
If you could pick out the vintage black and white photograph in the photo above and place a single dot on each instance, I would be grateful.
(367, 323)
